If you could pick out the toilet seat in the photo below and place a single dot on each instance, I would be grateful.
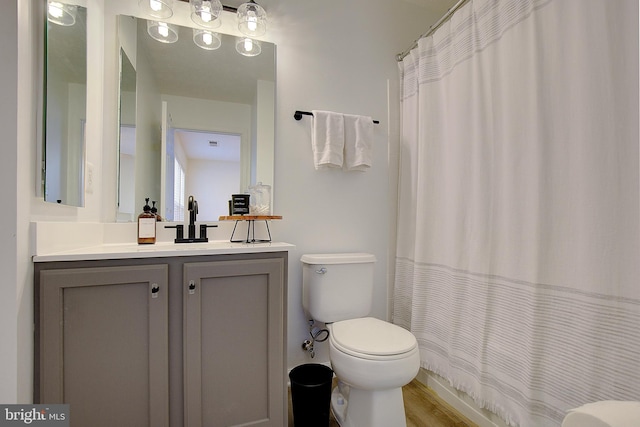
(372, 339)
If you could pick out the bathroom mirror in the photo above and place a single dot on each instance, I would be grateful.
(127, 135)
(65, 89)
(204, 122)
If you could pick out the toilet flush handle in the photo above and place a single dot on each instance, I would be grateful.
(321, 271)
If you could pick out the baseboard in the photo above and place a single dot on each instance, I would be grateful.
(460, 401)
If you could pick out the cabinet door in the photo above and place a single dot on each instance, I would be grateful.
(104, 344)
(234, 343)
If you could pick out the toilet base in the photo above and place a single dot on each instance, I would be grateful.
(338, 406)
(368, 408)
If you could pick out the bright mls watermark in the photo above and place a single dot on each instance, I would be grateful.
(34, 415)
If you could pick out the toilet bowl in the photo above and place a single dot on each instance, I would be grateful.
(371, 358)
(360, 348)
(374, 359)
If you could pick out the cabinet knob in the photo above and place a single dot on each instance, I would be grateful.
(192, 287)
(154, 290)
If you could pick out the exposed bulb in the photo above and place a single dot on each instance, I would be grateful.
(207, 38)
(252, 22)
(163, 29)
(55, 9)
(205, 12)
(155, 5)
(248, 45)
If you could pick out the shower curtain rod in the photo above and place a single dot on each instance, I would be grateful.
(432, 28)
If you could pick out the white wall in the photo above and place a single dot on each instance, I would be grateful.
(77, 116)
(336, 56)
(331, 55)
(148, 133)
(212, 183)
(8, 193)
(265, 133)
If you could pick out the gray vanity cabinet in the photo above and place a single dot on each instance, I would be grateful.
(104, 344)
(233, 326)
(194, 341)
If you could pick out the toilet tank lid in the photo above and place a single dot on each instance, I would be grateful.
(342, 258)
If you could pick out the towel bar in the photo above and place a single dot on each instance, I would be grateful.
(298, 115)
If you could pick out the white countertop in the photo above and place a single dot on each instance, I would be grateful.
(163, 249)
(67, 241)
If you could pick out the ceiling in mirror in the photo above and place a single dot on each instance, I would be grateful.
(67, 48)
(182, 68)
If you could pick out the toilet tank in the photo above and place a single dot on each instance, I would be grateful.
(337, 286)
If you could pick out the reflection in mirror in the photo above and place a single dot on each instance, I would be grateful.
(65, 107)
(204, 121)
(127, 139)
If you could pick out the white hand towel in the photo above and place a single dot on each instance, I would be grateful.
(327, 139)
(358, 142)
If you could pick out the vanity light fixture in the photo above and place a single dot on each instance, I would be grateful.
(159, 9)
(206, 39)
(248, 47)
(162, 31)
(252, 19)
(205, 13)
(61, 13)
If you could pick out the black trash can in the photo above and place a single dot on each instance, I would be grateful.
(311, 395)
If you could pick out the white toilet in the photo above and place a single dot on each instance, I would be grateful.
(372, 359)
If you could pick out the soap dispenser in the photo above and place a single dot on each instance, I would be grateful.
(146, 225)
(154, 211)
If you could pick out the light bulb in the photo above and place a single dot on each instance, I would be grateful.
(155, 5)
(163, 29)
(252, 19)
(61, 13)
(55, 10)
(205, 39)
(205, 14)
(252, 23)
(248, 45)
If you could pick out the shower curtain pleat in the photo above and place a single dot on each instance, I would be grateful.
(518, 242)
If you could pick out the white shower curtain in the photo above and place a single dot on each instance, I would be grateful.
(518, 253)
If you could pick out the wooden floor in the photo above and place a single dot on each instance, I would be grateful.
(422, 407)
